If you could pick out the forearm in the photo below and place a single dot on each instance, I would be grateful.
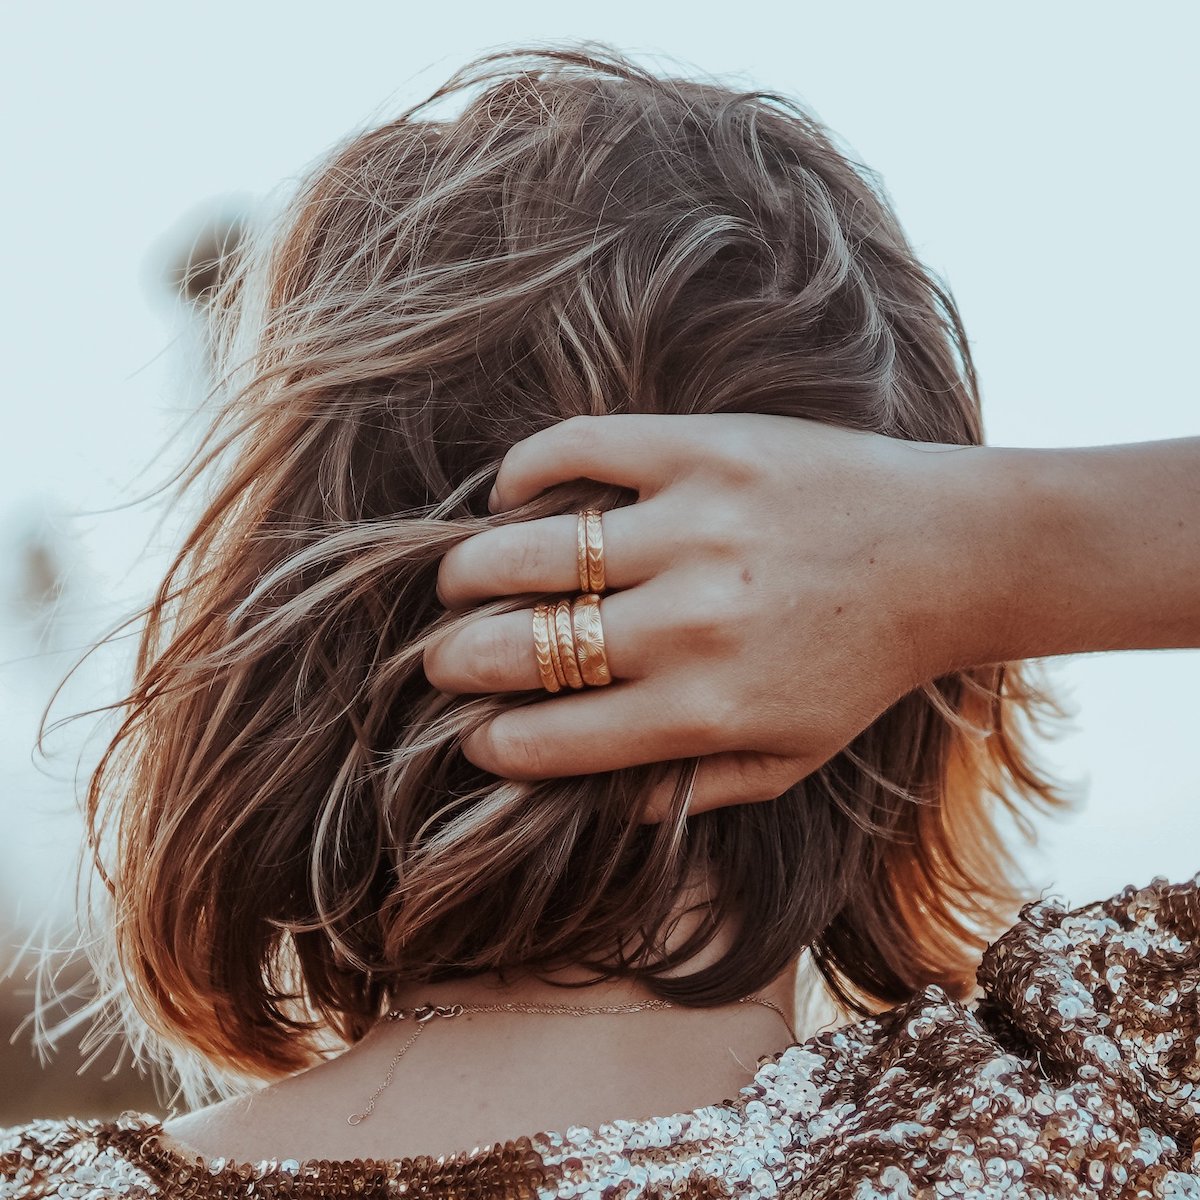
(1074, 550)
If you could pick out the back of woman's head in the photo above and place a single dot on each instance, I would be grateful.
(289, 828)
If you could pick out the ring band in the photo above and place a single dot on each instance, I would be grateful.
(565, 632)
(560, 675)
(589, 640)
(568, 637)
(542, 641)
(568, 641)
(589, 552)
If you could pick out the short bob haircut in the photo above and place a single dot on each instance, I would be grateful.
(284, 820)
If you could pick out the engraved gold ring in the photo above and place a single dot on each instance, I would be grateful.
(568, 635)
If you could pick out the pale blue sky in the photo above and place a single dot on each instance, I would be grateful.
(1037, 155)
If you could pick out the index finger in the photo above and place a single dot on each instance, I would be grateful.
(634, 450)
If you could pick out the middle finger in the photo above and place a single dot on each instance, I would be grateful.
(540, 555)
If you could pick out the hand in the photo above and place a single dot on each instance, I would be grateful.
(779, 583)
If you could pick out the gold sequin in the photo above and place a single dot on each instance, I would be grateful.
(1076, 1074)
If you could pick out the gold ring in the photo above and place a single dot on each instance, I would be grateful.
(542, 641)
(565, 632)
(589, 640)
(560, 676)
(589, 551)
(568, 642)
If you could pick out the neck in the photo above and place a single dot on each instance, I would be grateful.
(482, 1078)
(569, 985)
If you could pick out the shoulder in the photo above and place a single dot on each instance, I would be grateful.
(42, 1158)
(1114, 985)
(1076, 959)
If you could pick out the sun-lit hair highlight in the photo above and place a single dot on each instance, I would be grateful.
(285, 823)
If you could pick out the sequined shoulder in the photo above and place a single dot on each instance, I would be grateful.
(73, 1157)
(1115, 985)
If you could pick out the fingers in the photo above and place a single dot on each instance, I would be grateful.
(496, 653)
(733, 777)
(542, 556)
(600, 729)
(634, 450)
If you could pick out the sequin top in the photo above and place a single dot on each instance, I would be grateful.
(1075, 1074)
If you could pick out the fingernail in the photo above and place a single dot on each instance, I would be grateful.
(493, 501)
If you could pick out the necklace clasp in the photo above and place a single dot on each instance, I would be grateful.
(426, 1012)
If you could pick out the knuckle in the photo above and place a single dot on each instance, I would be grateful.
(512, 751)
(736, 458)
(579, 434)
(493, 562)
(767, 778)
(710, 620)
(489, 658)
(525, 559)
(477, 656)
(710, 716)
(724, 539)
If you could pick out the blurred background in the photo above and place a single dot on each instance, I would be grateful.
(1037, 155)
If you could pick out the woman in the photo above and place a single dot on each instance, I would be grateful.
(605, 620)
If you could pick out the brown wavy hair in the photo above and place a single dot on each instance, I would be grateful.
(284, 820)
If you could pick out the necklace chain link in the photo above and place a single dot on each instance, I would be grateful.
(421, 1015)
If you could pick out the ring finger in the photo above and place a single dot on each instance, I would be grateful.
(496, 653)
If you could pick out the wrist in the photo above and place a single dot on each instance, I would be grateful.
(1006, 553)
(1064, 551)
(1102, 552)
(996, 524)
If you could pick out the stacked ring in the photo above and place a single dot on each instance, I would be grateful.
(565, 631)
(589, 640)
(568, 637)
(560, 675)
(590, 551)
(542, 645)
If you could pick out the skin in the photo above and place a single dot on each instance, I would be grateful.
(489, 1077)
(777, 585)
(769, 559)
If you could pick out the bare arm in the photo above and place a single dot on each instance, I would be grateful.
(1073, 550)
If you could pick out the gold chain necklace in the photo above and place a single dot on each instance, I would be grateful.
(425, 1013)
